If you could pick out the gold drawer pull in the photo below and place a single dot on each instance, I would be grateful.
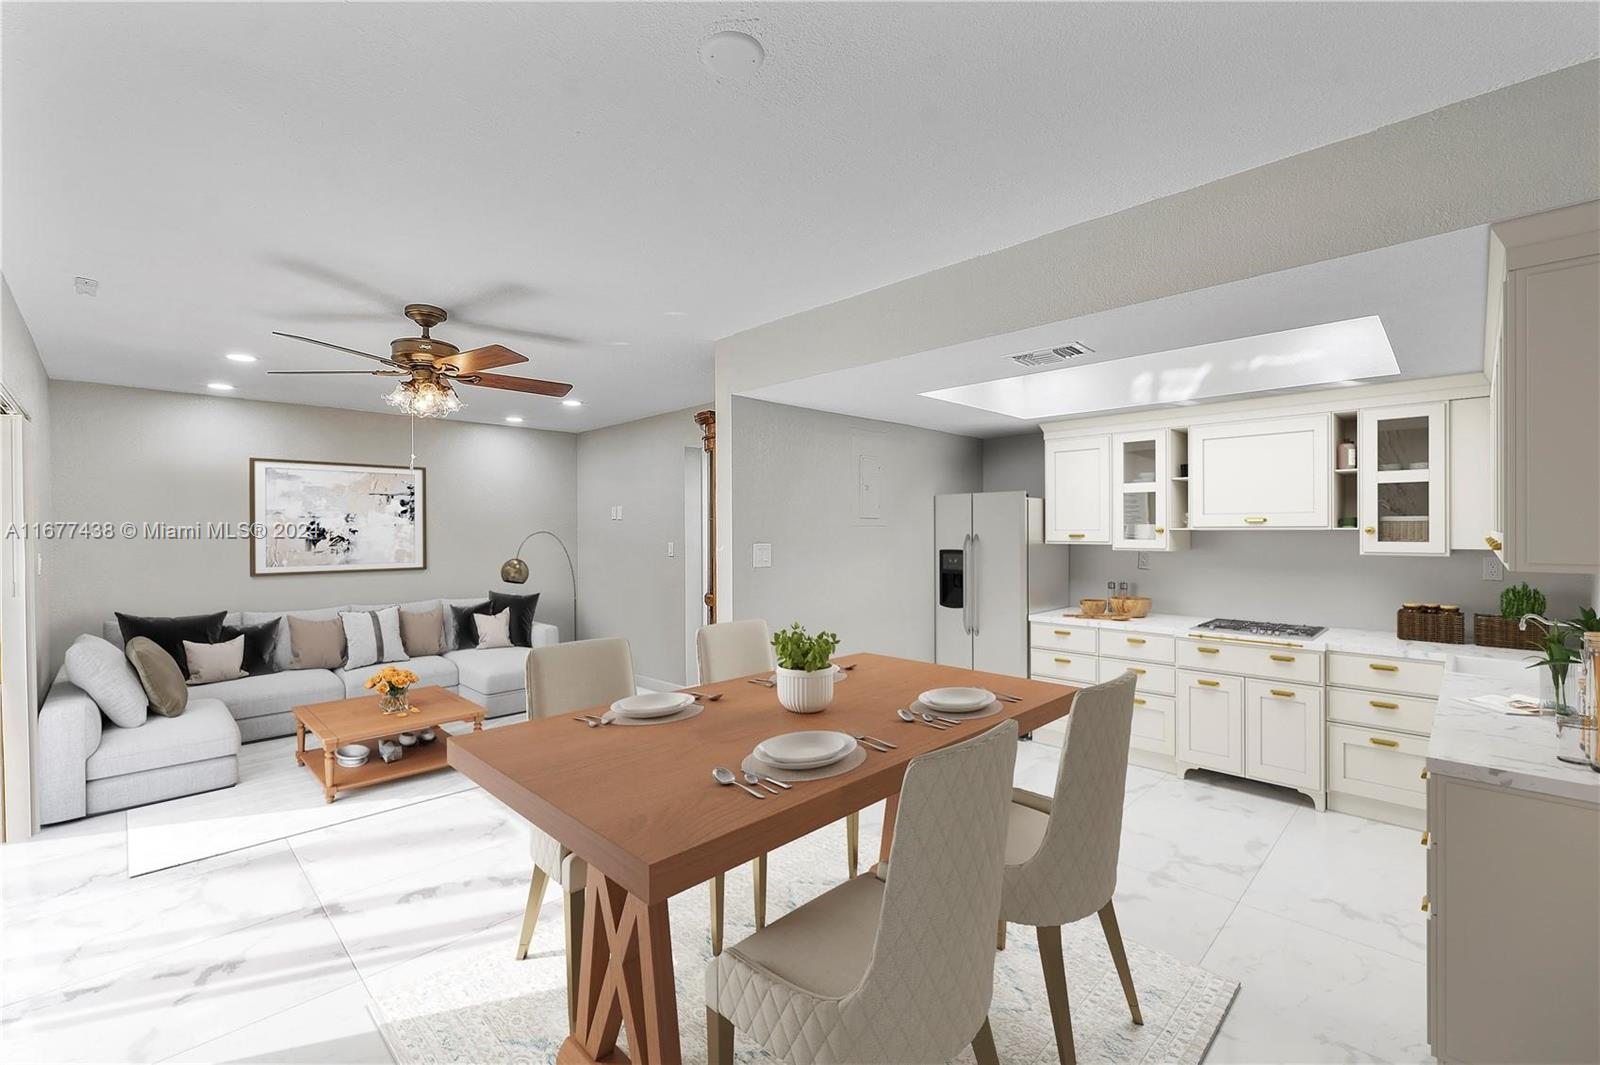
(1255, 521)
(1076, 536)
(1209, 650)
(1280, 693)
(1381, 705)
(1383, 667)
(1424, 774)
(1494, 544)
(1063, 661)
(1160, 530)
(1424, 838)
(1209, 683)
(1369, 530)
(1136, 671)
(1133, 639)
(1381, 742)
(1063, 632)
(1424, 904)
(1282, 658)
(1138, 701)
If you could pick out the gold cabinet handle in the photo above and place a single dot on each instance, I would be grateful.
(1381, 705)
(1383, 667)
(1135, 671)
(1138, 701)
(1425, 904)
(1133, 639)
(1424, 838)
(1282, 658)
(1063, 661)
(1424, 774)
(1076, 536)
(1063, 632)
(1209, 650)
(1494, 544)
(1369, 530)
(1160, 530)
(1381, 742)
(1282, 694)
(1255, 521)
(1209, 683)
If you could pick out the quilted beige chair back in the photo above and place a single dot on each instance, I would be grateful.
(926, 991)
(576, 676)
(733, 649)
(1074, 872)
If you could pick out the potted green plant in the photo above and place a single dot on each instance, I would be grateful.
(805, 668)
(1505, 629)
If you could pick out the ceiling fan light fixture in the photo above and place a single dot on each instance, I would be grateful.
(424, 399)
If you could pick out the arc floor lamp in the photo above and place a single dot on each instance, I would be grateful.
(515, 571)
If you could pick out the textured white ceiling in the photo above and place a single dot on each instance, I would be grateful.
(571, 171)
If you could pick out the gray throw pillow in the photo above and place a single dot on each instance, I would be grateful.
(422, 631)
(211, 663)
(158, 671)
(494, 630)
(96, 666)
(316, 644)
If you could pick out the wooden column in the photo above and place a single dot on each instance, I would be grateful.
(707, 421)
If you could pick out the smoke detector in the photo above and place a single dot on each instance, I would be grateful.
(1050, 356)
(86, 286)
(731, 54)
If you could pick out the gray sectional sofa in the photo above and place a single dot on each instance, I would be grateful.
(89, 765)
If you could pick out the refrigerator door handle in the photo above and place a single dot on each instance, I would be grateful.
(971, 581)
(966, 584)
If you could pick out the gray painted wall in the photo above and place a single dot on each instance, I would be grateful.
(123, 454)
(1312, 577)
(871, 583)
(629, 585)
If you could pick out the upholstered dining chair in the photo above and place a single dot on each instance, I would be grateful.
(893, 970)
(561, 678)
(1061, 852)
(731, 649)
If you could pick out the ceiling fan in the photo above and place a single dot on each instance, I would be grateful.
(432, 367)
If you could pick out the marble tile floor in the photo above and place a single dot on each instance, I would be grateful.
(274, 953)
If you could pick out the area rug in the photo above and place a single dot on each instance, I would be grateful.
(486, 1007)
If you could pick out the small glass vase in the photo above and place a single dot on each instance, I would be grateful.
(1553, 692)
(393, 701)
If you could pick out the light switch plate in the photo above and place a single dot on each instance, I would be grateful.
(1141, 560)
(672, 549)
(761, 556)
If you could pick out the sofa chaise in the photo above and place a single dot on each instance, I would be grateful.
(89, 765)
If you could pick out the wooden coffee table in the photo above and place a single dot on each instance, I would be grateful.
(361, 720)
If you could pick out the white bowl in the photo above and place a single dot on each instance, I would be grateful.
(407, 739)
(354, 752)
(652, 704)
(805, 750)
(956, 700)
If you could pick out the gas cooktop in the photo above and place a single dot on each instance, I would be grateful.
(1261, 628)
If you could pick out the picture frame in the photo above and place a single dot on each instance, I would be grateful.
(334, 517)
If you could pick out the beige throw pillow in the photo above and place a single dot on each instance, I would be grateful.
(159, 674)
(494, 630)
(213, 662)
(316, 644)
(422, 631)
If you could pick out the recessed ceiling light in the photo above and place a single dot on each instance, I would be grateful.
(572, 403)
(514, 419)
(619, 343)
(239, 356)
(731, 54)
(677, 314)
(220, 386)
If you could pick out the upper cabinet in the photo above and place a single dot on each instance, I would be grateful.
(1403, 487)
(1271, 473)
(1077, 472)
(1149, 490)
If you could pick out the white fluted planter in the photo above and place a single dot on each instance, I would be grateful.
(803, 692)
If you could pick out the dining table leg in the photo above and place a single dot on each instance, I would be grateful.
(624, 980)
(890, 807)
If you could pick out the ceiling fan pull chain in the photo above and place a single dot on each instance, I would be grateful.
(413, 420)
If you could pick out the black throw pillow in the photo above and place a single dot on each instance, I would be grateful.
(466, 627)
(260, 645)
(169, 633)
(521, 607)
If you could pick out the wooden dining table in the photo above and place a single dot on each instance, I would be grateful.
(639, 806)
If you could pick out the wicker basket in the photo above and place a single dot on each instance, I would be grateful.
(1492, 630)
(1432, 625)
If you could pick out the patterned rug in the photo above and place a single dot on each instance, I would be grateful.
(486, 1007)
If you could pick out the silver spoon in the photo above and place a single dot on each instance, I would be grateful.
(944, 721)
(751, 778)
(723, 775)
(594, 722)
(907, 715)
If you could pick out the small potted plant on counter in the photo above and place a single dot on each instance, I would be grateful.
(1505, 629)
(805, 668)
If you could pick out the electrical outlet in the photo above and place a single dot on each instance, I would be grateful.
(1142, 560)
(1492, 569)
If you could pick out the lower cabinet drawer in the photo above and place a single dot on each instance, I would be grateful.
(1146, 647)
(1409, 676)
(1154, 725)
(1154, 679)
(1269, 663)
(1062, 637)
(1383, 710)
(1063, 665)
(1377, 764)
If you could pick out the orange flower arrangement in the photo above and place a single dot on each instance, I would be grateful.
(392, 680)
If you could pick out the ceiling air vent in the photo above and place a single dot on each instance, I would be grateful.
(1050, 356)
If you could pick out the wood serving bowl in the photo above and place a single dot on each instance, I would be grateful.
(1092, 607)
(1135, 606)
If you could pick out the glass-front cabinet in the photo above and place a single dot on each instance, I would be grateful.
(1149, 491)
(1404, 509)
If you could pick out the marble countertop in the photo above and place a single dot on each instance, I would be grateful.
(1349, 641)
(1477, 743)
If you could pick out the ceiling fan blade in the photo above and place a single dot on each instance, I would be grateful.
(363, 373)
(340, 347)
(485, 358)
(322, 274)
(517, 384)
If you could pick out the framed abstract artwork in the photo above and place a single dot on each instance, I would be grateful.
(327, 517)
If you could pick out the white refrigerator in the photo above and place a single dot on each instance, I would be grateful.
(992, 569)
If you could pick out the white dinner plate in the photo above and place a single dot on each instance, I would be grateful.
(805, 750)
(957, 700)
(652, 704)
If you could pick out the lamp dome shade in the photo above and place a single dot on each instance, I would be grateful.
(515, 571)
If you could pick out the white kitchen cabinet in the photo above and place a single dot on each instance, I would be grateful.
(1153, 723)
(1078, 490)
(1270, 473)
(1283, 734)
(1210, 721)
(1471, 474)
(1403, 482)
(1147, 503)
